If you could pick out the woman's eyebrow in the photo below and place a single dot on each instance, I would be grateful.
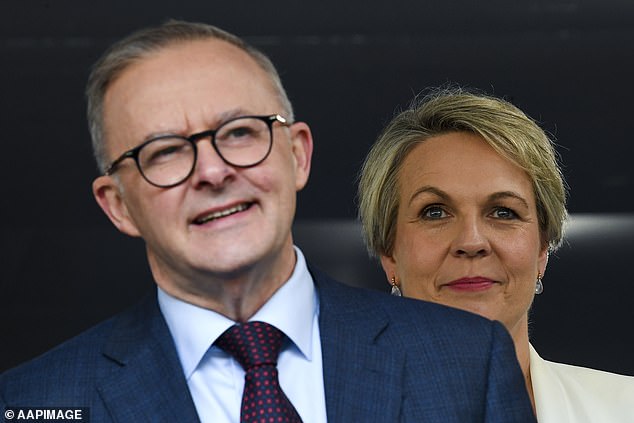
(428, 189)
(508, 194)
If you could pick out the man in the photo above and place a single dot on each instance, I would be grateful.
(201, 158)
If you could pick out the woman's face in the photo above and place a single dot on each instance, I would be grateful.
(467, 233)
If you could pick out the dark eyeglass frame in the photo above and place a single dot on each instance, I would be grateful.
(134, 152)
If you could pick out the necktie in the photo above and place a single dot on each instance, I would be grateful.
(256, 345)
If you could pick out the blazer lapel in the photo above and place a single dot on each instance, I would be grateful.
(144, 379)
(362, 379)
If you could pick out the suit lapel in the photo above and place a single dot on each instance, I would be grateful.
(144, 379)
(362, 378)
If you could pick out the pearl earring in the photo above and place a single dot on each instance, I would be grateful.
(539, 286)
(396, 291)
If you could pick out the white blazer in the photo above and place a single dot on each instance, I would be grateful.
(565, 393)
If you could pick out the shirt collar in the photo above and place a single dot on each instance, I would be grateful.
(292, 309)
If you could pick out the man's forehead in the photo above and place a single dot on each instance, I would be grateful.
(214, 55)
(217, 68)
(208, 76)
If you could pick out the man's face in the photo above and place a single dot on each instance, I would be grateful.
(187, 88)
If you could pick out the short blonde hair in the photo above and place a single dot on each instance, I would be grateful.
(503, 126)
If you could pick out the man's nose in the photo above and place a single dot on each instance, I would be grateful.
(210, 168)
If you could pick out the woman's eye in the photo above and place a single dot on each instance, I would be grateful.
(433, 212)
(504, 213)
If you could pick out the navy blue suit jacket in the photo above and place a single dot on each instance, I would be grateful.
(385, 359)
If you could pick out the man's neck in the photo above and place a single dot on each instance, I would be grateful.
(237, 295)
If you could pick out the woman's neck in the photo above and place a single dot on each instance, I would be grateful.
(519, 333)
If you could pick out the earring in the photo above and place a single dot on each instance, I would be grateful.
(539, 286)
(396, 291)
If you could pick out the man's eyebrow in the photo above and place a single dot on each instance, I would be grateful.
(428, 189)
(230, 114)
(217, 121)
(508, 194)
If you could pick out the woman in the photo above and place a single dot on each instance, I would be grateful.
(462, 199)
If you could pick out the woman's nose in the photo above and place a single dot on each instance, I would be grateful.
(471, 239)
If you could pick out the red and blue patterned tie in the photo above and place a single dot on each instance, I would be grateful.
(256, 345)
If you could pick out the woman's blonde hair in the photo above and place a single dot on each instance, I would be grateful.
(503, 126)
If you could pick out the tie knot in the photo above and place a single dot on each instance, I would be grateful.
(252, 343)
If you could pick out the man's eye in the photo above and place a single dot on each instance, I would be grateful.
(168, 150)
(433, 212)
(161, 151)
(240, 132)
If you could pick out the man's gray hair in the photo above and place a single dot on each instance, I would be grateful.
(142, 43)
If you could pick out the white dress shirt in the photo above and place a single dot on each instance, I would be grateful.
(216, 379)
(572, 394)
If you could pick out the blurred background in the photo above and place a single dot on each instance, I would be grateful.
(347, 66)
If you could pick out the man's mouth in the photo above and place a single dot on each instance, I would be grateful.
(221, 213)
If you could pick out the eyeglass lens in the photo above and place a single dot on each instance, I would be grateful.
(240, 142)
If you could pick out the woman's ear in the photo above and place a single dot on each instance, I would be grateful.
(109, 196)
(542, 260)
(389, 267)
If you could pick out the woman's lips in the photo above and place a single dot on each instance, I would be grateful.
(470, 284)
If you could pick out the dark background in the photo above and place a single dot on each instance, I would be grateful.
(347, 65)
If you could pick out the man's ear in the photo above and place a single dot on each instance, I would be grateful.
(302, 145)
(109, 197)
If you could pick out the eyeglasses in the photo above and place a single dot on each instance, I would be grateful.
(168, 160)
